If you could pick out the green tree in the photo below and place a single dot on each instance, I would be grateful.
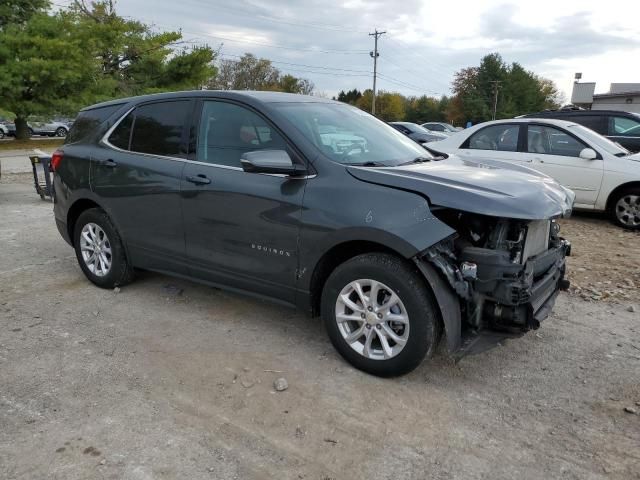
(44, 68)
(520, 91)
(351, 97)
(389, 105)
(253, 73)
(132, 58)
(19, 11)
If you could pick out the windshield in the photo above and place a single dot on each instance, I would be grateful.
(348, 135)
(599, 141)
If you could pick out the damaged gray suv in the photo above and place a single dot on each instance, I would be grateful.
(395, 248)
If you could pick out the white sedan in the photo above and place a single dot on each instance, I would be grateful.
(603, 175)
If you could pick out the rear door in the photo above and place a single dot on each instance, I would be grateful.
(625, 130)
(555, 152)
(241, 228)
(137, 173)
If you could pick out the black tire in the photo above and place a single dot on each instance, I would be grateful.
(406, 282)
(632, 195)
(1, 134)
(121, 271)
(61, 132)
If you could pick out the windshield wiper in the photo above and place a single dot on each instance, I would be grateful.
(366, 164)
(418, 160)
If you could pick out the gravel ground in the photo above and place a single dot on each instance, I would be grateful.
(170, 379)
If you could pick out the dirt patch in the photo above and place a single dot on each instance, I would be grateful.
(170, 379)
(605, 259)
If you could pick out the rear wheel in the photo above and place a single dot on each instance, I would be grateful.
(100, 251)
(61, 132)
(380, 315)
(625, 209)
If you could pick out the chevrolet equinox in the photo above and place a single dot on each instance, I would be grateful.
(316, 204)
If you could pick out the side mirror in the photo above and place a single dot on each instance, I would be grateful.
(588, 154)
(270, 161)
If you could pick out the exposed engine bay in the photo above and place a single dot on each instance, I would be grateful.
(506, 273)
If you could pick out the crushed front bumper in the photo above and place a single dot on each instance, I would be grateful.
(501, 299)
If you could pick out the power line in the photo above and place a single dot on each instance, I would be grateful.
(366, 72)
(268, 45)
(321, 26)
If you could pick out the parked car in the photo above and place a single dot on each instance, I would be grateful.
(238, 190)
(620, 127)
(417, 133)
(441, 127)
(54, 128)
(604, 176)
(343, 142)
(11, 129)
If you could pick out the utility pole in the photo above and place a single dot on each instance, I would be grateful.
(496, 86)
(375, 56)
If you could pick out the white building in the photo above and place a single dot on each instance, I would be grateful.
(621, 96)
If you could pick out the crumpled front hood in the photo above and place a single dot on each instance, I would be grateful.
(486, 187)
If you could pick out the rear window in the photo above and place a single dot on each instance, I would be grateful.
(88, 120)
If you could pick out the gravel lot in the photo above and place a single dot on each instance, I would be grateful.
(170, 379)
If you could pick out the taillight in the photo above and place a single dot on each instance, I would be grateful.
(56, 158)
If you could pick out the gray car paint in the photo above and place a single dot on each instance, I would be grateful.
(305, 217)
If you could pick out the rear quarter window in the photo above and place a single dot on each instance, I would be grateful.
(88, 121)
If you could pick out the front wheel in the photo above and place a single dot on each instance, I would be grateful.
(380, 315)
(100, 251)
(625, 209)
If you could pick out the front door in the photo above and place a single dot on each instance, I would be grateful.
(137, 174)
(241, 228)
(556, 153)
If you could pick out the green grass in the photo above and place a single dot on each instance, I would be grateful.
(31, 144)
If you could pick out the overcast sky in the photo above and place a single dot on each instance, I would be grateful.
(426, 41)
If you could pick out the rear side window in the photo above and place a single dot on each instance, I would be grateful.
(158, 128)
(594, 122)
(121, 135)
(624, 127)
(496, 137)
(88, 121)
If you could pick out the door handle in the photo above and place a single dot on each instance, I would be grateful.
(199, 179)
(110, 163)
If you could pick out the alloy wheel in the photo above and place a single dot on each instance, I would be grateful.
(96, 249)
(628, 210)
(372, 319)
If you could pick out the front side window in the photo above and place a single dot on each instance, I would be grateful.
(503, 137)
(624, 126)
(435, 127)
(158, 127)
(228, 130)
(552, 141)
